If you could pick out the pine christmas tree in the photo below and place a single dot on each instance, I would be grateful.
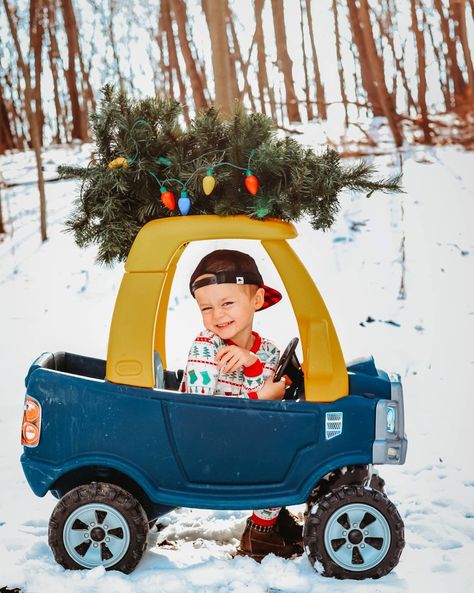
(145, 160)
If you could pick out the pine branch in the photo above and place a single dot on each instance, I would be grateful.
(142, 151)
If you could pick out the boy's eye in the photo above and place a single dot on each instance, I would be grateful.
(228, 303)
(204, 309)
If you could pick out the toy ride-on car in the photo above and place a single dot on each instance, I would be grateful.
(119, 445)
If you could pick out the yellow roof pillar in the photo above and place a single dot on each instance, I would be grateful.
(139, 320)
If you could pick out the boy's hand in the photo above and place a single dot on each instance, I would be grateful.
(271, 390)
(230, 358)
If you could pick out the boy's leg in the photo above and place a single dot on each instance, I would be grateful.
(261, 536)
(265, 517)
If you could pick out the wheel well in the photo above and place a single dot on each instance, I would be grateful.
(86, 475)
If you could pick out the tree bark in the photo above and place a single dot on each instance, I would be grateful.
(340, 70)
(173, 57)
(454, 72)
(6, 136)
(237, 57)
(215, 13)
(320, 93)
(197, 87)
(309, 106)
(70, 26)
(113, 45)
(377, 71)
(165, 67)
(420, 49)
(31, 119)
(54, 58)
(262, 77)
(365, 71)
(36, 43)
(2, 225)
(458, 10)
(284, 61)
(442, 65)
(19, 137)
(399, 62)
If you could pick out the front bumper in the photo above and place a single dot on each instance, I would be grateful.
(390, 445)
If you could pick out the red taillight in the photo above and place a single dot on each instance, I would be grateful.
(31, 427)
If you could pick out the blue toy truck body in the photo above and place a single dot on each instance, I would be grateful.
(119, 452)
(174, 449)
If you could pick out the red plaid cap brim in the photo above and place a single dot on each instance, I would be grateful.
(272, 297)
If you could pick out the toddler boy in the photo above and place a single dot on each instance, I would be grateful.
(229, 358)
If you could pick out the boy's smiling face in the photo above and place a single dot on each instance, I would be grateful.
(228, 309)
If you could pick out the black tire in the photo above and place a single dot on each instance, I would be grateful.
(352, 475)
(374, 545)
(106, 522)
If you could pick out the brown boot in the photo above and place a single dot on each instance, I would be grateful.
(291, 530)
(258, 541)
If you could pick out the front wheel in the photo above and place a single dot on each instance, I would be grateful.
(98, 524)
(354, 533)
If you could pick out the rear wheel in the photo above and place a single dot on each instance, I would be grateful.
(354, 533)
(98, 524)
(352, 475)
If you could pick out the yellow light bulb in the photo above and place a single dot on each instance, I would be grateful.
(118, 163)
(208, 184)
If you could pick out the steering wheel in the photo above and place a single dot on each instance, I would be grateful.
(289, 365)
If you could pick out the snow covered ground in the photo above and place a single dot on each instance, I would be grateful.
(54, 297)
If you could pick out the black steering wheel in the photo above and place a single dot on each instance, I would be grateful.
(290, 367)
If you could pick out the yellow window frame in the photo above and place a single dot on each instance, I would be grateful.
(138, 326)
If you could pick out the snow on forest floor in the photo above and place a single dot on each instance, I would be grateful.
(54, 297)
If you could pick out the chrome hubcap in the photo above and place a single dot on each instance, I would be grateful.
(357, 537)
(96, 535)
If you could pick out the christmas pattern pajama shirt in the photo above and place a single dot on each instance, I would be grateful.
(201, 376)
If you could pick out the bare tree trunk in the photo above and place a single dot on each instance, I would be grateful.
(340, 70)
(201, 71)
(234, 52)
(15, 119)
(458, 9)
(36, 41)
(173, 57)
(113, 45)
(442, 65)
(54, 57)
(197, 87)
(70, 26)
(309, 107)
(165, 68)
(365, 71)
(420, 49)
(215, 13)
(284, 61)
(320, 93)
(399, 62)
(261, 60)
(237, 57)
(358, 89)
(31, 119)
(6, 136)
(454, 71)
(376, 68)
(2, 225)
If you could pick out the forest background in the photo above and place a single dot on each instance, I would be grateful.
(389, 80)
(347, 65)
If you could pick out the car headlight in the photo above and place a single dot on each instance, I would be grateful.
(391, 419)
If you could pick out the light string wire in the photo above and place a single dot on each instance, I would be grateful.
(165, 161)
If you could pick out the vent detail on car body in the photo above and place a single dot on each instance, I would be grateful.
(333, 424)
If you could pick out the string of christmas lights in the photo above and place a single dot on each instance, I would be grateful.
(209, 181)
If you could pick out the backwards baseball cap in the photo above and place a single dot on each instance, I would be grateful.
(227, 266)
